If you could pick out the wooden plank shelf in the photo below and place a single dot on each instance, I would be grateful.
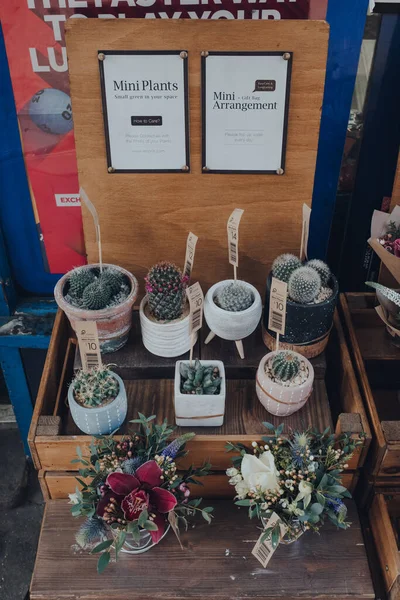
(215, 562)
(377, 364)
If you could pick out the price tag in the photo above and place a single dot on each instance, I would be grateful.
(263, 551)
(305, 230)
(277, 306)
(89, 347)
(233, 236)
(190, 250)
(196, 301)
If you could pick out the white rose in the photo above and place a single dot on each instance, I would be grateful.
(260, 472)
(234, 480)
(242, 489)
(232, 472)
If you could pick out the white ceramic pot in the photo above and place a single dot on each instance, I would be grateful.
(165, 339)
(195, 410)
(232, 325)
(100, 420)
(280, 400)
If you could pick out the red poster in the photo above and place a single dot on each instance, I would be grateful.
(34, 37)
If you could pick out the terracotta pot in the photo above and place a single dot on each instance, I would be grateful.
(113, 324)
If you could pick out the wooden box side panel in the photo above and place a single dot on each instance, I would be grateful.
(155, 212)
(388, 552)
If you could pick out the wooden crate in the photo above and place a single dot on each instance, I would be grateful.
(376, 361)
(384, 518)
(54, 437)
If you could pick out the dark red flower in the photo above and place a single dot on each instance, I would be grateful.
(396, 247)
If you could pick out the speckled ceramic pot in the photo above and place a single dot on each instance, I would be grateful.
(307, 325)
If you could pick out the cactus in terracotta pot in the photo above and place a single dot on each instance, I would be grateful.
(96, 296)
(285, 365)
(284, 265)
(165, 288)
(304, 285)
(79, 280)
(234, 297)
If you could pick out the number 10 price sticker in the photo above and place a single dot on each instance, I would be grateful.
(277, 308)
(196, 302)
(89, 346)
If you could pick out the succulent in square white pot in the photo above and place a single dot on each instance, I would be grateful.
(232, 309)
(97, 401)
(199, 394)
(284, 382)
(165, 313)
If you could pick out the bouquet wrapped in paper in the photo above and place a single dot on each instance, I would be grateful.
(385, 239)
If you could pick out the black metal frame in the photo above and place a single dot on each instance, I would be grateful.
(186, 108)
(205, 167)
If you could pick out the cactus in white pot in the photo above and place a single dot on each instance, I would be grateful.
(97, 400)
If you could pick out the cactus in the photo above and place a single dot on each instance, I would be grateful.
(95, 387)
(391, 295)
(304, 285)
(165, 287)
(96, 296)
(234, 297)
(284, 265)
(79, 281)
(322, 269)
(285, 365)
(199, 379)
(112, 279)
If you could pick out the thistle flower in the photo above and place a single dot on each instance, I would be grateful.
(131, 464)
(92, 530)
(173, 448)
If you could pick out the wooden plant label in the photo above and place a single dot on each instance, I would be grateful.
(277, 306)
(233, 236)
(305, 230)
(92, 209)
(263, 551)
(196, 301)
(190, 250)
(89, 347)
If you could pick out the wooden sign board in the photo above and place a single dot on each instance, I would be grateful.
(145, 217)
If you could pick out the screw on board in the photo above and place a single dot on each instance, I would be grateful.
(204, 53)
(286, 56)
(185, 168)
(280, 171)
(101, 56)
(183, 54)
(206, 169)
(111, 169)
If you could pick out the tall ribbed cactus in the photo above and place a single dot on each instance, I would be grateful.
(284, 265)
(285, 365)
(304, 285)
(234, 297)
(165, 287)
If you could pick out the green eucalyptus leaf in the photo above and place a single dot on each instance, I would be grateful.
(102, 546)
(150, 526)
(144, 515)
(103, 562)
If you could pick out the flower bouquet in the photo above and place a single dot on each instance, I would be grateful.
(132, 493)
(292, 484)
(385, 239)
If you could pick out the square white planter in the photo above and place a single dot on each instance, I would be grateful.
(195, 410)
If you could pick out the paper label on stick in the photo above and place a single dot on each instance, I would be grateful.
(233, 236)
(305, 230)
(277, 306)
(89, 347)
(190, 250)
(263, 551)
(196, 301)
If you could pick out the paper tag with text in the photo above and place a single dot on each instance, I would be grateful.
(277, 306)
(196, 301)
(190, 250)
(233, 236)
(305, 230)
(89, 347)
(263, 551)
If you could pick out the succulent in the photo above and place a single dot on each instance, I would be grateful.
(391, 295)
(93, 388)
(96, 296)
(234, 297)
(199, 379)
(165, 287)
(304, 285)
(284, 265)
(79, 281)
(285, 365)
(322, 269)
(113, 279)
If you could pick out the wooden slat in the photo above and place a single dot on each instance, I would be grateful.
(389, 556)
(215, 562)
(156, 211)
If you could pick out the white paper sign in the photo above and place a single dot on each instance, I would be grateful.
(277, 306)
(89, 347)
(144, 108)
(196, 301)
(245, 111)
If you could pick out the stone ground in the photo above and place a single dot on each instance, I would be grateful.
(21, 511)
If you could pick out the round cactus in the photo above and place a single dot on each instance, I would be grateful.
(235, 297)
(95, 387)
(304, 285)
(284, 265)
(285, 365)
(79, 280)
(322, 269)
(113, 279)
(96, 296)
(165, 287)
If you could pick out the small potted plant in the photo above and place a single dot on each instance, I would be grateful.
(164, 311)
(284, 382)
(104, 294)
(133, 492)
(97, 400)
(312, 296)
(296, 479)
(232, 309)
(200, 393)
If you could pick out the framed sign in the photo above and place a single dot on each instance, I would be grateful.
(245, 105)
(145, 110)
